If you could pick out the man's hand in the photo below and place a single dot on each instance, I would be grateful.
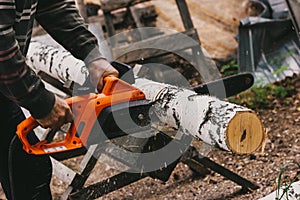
(61, 112)
(100, 69)
(59, 115)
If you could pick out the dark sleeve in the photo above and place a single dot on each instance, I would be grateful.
(61, 19)
(17, 81)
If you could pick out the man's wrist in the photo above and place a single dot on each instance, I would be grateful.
(42, 105)
(93, 56)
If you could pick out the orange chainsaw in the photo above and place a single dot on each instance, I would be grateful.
(118, 110)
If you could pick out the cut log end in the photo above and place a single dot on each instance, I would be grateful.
(245, 133)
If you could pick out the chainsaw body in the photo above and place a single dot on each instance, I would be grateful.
(96, 117)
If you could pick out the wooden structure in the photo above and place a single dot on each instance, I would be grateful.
(139, 46)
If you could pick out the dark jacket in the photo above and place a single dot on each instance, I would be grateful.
(62, 21)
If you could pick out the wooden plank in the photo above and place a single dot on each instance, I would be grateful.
(145, 16)
(108, 18)
(152, 47)
(294, 8)
(110, 5)
(118, 18)
(63, 172)
(185, 14)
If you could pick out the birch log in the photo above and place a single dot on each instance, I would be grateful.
(228, 126)
(56, 62)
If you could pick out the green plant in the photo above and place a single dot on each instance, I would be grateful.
(280, 70)
(279, 59)
(262, 96)
(230, 68)
(285, 184)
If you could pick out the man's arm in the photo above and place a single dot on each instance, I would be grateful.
(61, 19)
(17, 81)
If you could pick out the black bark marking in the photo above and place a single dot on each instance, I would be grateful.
(31, 59)
(167, 96)
(244, 135)
(51, 60)
(67, 74)
(191, 97)
(207, 117)
(213, 139)
(43, 55)
(197, 137)
(175, 116)
(84, 71)
(62, 59)
(60, 76)
(237, 107)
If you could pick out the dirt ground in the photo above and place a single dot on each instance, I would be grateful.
(262, 167)
(217, 22)
(282, 146)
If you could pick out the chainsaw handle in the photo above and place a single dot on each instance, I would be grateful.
(82, 107)
(23, 129)
(113, 85)
(43, 147)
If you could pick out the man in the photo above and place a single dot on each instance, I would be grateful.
(24, 176)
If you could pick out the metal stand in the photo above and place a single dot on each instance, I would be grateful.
(191, 157)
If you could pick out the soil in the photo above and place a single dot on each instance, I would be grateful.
(281, 121)
(219, 19)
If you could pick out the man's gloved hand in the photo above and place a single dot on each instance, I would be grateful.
(61, 112)
(100, 69)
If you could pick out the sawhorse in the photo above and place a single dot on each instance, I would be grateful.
(191, 157)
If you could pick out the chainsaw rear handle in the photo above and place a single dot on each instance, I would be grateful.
(26, 127)
(82, 107)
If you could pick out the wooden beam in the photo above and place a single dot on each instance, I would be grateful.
(185, 14)
(110, 5)
(145, 16)
(151, 47)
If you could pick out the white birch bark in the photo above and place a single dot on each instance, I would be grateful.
(58, 63)
(202, 116)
